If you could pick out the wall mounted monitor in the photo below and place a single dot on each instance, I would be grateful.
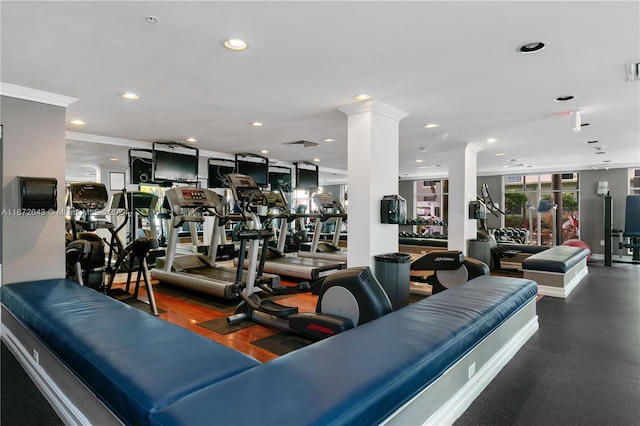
(306, 177)
(173, 166)
(255, 166)
(280, 179)
(219, 168)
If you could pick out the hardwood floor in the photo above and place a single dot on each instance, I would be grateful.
(187, 309)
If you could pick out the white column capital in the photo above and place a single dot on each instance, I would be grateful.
(373, 106)
(34, 95)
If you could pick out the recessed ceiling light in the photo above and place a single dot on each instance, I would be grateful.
(151, 19)
(423, 149)
(606, 161)
(362, 97)
(329, 140)
(584, 124)
(264, 151)
(316, 160)
(235, 44)
(491, 140)
(535, 46)
(600, 152)
(419, 161)
(499, 154)
(113, 159)
(192, 140)
(591, 142)
(77, 122)
(256, 124)
(563, 98)
(131, 96)
(430, 125)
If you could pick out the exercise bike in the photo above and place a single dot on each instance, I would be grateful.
(348, 297)
(451, 268)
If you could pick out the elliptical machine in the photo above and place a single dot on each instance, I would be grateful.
(85, 251)
(348, 297)
(451, 268)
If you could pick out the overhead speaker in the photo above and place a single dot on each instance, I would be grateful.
(141, 170)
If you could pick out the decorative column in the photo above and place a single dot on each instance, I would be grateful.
(372, 149)
(462, 190)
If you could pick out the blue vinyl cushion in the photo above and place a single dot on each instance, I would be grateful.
(134, 362)
(556, 259)
(361, 376)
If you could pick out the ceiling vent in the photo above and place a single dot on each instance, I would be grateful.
(633, 72)
(302, 144)
(514, 163)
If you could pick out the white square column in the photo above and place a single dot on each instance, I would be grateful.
(462, 190)
(372, 150)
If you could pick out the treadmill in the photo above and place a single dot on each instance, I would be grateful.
(196, 271)
(277, 262)
(332, 212)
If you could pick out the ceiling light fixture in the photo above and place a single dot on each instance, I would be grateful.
(256, 124)
(532, 47)
(591, 142)
(264, 151)
(316, 160)
(77, 122)
(329, 140)
(151, 19)
(499, 154)
(419, 161)
(362, 97)
(235, 44)
(430, 125)
(130, 96)
(423, 149)
(563, 98)
(576, 119)
(192, 140)
(491, 140)
(113, 159)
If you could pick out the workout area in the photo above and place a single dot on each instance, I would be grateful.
(320, 213)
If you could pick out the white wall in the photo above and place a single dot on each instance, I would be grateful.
(33, 146)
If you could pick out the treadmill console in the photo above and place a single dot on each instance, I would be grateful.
(245, 189)
(328, 202)
(190, 197)
(275, 200)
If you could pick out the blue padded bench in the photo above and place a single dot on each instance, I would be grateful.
(133, 362)
(424, 363)
(378, 372)
(557, 270)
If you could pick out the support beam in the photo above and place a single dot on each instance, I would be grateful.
(372, 140)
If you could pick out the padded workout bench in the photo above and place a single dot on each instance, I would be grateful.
(557, 270)
(423, 363)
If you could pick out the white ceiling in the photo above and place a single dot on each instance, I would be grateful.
(453, 63)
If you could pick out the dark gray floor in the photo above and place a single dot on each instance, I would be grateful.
(582, 367)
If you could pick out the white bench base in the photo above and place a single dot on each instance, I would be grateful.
(557, 284)
(448, 397)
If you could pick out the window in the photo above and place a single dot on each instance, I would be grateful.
(634, 181)
(526, 201)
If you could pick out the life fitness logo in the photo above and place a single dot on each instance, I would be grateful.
(444, 259)
(321, 329)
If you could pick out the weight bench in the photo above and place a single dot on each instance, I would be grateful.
(557, 270)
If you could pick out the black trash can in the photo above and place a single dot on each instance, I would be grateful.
(393, 271)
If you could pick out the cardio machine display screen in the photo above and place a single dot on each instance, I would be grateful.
(194, 195)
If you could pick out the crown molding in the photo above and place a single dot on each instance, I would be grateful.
(28, 94)
(374, 106)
